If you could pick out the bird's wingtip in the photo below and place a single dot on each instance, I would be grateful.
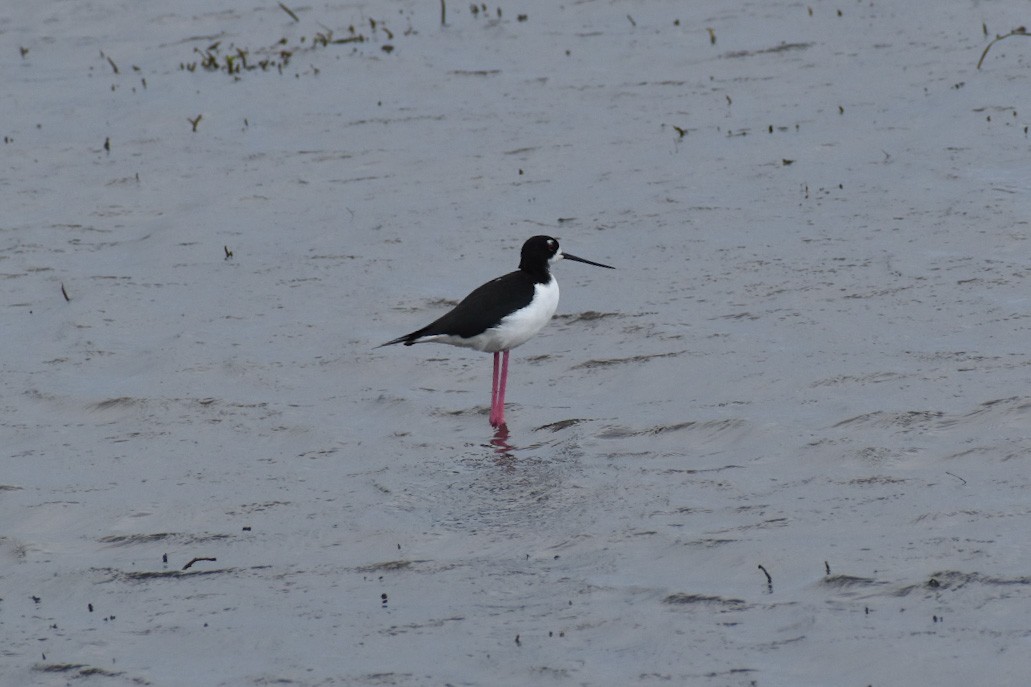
(407, 340)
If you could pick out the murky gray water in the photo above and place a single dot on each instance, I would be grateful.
(812, 357)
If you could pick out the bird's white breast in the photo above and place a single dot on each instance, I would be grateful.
(517, 328)
(521, 325)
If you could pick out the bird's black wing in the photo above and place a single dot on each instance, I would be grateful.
(479, 311)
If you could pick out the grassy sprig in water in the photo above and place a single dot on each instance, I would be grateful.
(1019, 31)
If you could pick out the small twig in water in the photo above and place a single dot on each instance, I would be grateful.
(289, 11)
(443, 13)
(1019, 31)
(956, 476)
(229, 253)
(827, 567)
(197, 560)
(65, 293)
(769, 580)
(194, 122)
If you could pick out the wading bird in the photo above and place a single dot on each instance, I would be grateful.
(502, 314)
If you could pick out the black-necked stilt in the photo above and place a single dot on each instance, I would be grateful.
(502, 314)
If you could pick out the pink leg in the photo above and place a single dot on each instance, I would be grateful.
(494, 394)
(500, 418)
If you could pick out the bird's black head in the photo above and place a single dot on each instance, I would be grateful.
(540, 251)
(537, 252)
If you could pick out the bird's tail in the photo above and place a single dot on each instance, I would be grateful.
(407, 339)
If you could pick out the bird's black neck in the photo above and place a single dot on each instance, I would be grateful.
(539, 273)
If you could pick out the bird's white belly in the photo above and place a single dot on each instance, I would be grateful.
(517, 328)
(520, 326)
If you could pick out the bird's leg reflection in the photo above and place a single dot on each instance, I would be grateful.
(500, 444)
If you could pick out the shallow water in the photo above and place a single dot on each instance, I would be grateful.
(811, 358)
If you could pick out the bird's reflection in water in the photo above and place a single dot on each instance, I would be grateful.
(503, 450)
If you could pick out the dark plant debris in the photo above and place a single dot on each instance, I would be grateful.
(237, 60)
(1019, 31)
(198, 560)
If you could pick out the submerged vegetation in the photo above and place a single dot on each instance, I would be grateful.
(236, 60)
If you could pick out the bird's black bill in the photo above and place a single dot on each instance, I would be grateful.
(567, 256)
